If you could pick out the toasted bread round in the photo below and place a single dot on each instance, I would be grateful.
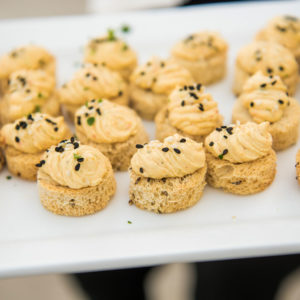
(241, 178)
(65, 201)
(22, 164)
(166, 195)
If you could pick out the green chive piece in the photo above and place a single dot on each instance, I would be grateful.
(111, 35)
(77, 156)
(87, 103)
(37, 108)
(129, 222)
(8, 177)
(221, 156)
(125, 28)
(40, 95)
(125, 47)
(100, 100)
(90, 121)
(85, 88)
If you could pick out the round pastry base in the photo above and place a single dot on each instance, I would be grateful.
(166, 195)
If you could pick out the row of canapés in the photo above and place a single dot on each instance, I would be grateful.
(163, 89)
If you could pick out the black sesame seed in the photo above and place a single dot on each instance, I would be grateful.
(95, 78)
(77, 167)
(263, 85)
(29, 117)
(40, 164)
(191, 87)
(28, 91)
(183, 140)
(224, 126)
(142, 73)
(76, 145)
(139, 146)
(87, 74)
(55, 129)
(201, 107)
(282, 29)
(165, 149)
(94, 100)
(281, 68)
(162, 64)
(194, 96)
(225, 136)
(182, 103)
(59, 149)
(137, 180)
(164, 180)
(269, 70)
(50, 121)
(17, 127)
(280, 101)
(185, 87)
(273, 82)
(120, 93)
(219, 129)
(72, 139)
(251, 104)
(90, 107)
(225, 151)
(211, 144)
(22, 80)
(80, 159)
(98, 111)
(177, 150)
(199, 85)
(78, 120)
(141, 170)
(17, 139)
(229, 130)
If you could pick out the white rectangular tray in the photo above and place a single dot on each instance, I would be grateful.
(32, 240)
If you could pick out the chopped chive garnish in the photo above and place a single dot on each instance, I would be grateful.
(40, 95)
(37, 108)
(77, 156)
(8, 177)
(125, 28)
(111, 35)
(129, 222)
(99, 100)
(90, 121)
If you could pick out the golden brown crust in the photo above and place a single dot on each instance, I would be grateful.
(284, 132)
(22, 164)
(120, 153)
(164, 128)
(166, 195)
(75, 202)
(242, 179)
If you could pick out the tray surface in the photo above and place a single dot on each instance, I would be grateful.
(32, 240)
